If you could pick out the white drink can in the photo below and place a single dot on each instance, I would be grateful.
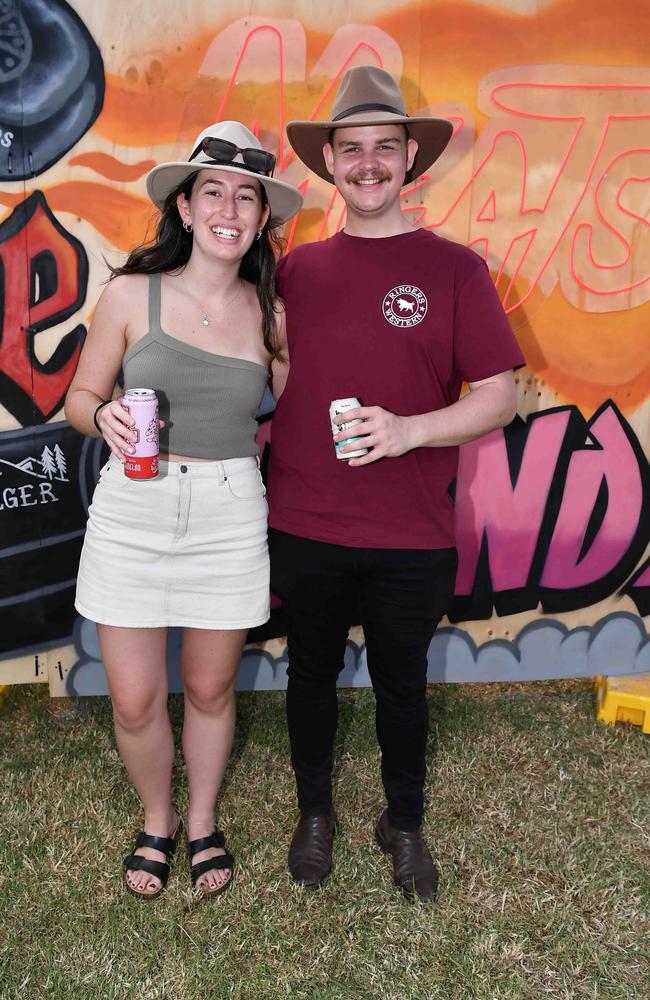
(337, 407)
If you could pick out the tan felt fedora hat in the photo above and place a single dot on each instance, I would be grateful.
(368, 95)
(232, 147)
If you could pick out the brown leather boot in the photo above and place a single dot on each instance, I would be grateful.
(310, 853)
(413, 868)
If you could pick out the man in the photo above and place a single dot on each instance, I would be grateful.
(399, 318)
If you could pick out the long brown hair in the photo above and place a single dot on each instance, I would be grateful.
(171, 247)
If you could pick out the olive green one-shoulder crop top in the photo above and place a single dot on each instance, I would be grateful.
(208, 401)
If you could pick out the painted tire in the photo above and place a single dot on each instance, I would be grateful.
(51, 84)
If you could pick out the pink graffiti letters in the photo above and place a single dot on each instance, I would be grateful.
(552, 186)
(579, 220)
(601, 507)
(487, 504)
(549, 511)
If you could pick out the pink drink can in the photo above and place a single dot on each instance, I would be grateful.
(142, 404)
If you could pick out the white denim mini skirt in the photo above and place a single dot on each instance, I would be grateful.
(188, 548)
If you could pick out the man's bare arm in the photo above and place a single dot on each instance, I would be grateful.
(489, 404)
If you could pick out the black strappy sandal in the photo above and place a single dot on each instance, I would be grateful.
(159, 869)
(215, 839)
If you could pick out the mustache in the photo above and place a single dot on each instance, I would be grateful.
(368, 175)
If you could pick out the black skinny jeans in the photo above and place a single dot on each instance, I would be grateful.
(399, 595)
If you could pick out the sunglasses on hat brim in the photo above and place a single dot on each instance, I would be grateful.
(221, 151)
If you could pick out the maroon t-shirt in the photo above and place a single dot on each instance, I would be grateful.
(399, 322)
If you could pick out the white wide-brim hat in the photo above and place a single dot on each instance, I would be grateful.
(284, 199)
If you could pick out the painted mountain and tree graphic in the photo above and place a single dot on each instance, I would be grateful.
(47, 477)
(51, 464)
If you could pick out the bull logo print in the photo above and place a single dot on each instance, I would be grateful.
(405, 305)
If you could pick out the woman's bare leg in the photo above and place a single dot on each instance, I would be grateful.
(135, 662)
(210, 662)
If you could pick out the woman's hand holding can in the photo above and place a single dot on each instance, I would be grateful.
(116, 425)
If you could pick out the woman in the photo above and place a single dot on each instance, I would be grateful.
(193, 316)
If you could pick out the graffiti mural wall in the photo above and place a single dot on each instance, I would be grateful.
(547, 176)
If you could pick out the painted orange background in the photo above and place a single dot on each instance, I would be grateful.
(547, 174)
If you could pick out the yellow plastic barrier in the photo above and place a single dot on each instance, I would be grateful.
(624, 699)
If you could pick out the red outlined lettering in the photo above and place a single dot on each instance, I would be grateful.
(44, 279)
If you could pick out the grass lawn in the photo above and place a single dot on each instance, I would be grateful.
(538, 815)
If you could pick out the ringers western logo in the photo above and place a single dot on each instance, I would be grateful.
(405, 305)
